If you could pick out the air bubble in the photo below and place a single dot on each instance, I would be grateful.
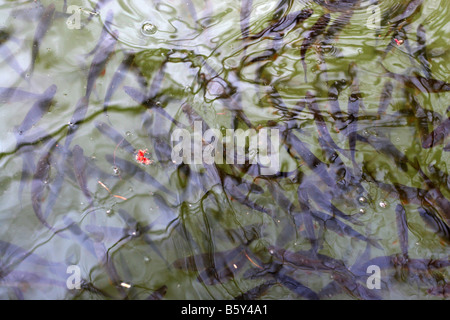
(362, 200)
(383, 204)
(148, 29)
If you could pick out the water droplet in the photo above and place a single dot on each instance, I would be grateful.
(362, 200)
(116, 171)
(362, 211)
(383, 204)
(126, 285)
(128, 133)
(146, 259)
(148, 29)
(109, 212)
(133, 233)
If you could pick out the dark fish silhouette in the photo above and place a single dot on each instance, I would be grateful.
(295, 286)
(105, 50)
(411, 9)
(36, 112)
(437, 136)
(150, 103)
(421, 50)
(43, 26)
(311, 103)
(440, 291)
(158, 294)
(338, 5)
(77, 118)
(311, 36)
(354, 105)
(314, 163)
(385, 98)
(256, 292)
(79, 166)
(305, 260)
(341, 228)
(39, 184)
(338, 25)
(385, 146)
(141, 231)
(8, 56)
(245, 13)
(119, 76)
(402, 228)
(333, 101)
(214, 267)
(14, 94)
(115, 136)
(280, 28)
(424, 85)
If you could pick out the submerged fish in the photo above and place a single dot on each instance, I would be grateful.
(280, 27)
(295, 286)
(354, 105)
(411, 9)
(306, 260)
(438, 135)
(141, 231)
(320, 122)
(421, 51)
(423, 84)
(36, 112)
(115, 136)
(158, 294)
(39, 184)
(338, 5)
(105, 51)
(14, 94)
(41, 29)
(77, 117)
(311, 36)
(385, 146)
(385, 98)
(338, 25)
(256, 292)
(402, 228)
(150, 103)
(341, 228)
(118, 77)
(79, 165)
(214, 267)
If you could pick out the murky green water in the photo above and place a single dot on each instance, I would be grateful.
(191, 58)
